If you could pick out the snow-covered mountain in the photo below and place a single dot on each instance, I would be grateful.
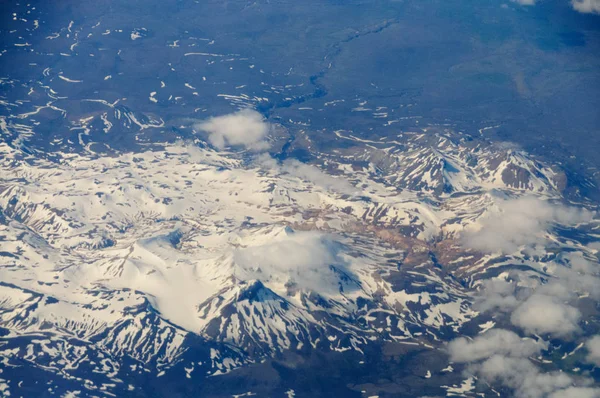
(185, 262)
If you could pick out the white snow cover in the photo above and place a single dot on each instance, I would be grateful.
(246, 250)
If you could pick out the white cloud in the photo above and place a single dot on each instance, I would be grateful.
(576, 392)
(520, 222)
(583, 6)
(580, 278)
(541, 314)
(501, 356)
(580, 264)
(496, 294)
(522, 376)
(302, 258)
(246, 128)
(308, 173)
(544, 309)
(317, 177)
(586, 6)
(593, 347)
(493, 342)
(541, 306)
(265, 161)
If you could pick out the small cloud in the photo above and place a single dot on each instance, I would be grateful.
(522, 376)
(497, 294)
(306, 172)
(576, 392)
(494, 342)
(265, 161)
(586, 6)
(514, 223)
(501, 356)
(300, 258)
(544, 308)
(583, 6)
(317, 177)
(580, 264)
(593, 347)
(246, 128)
(541, 314)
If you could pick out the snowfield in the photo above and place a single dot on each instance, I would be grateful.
(134, 253)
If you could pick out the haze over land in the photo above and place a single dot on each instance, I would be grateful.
(220, 199)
